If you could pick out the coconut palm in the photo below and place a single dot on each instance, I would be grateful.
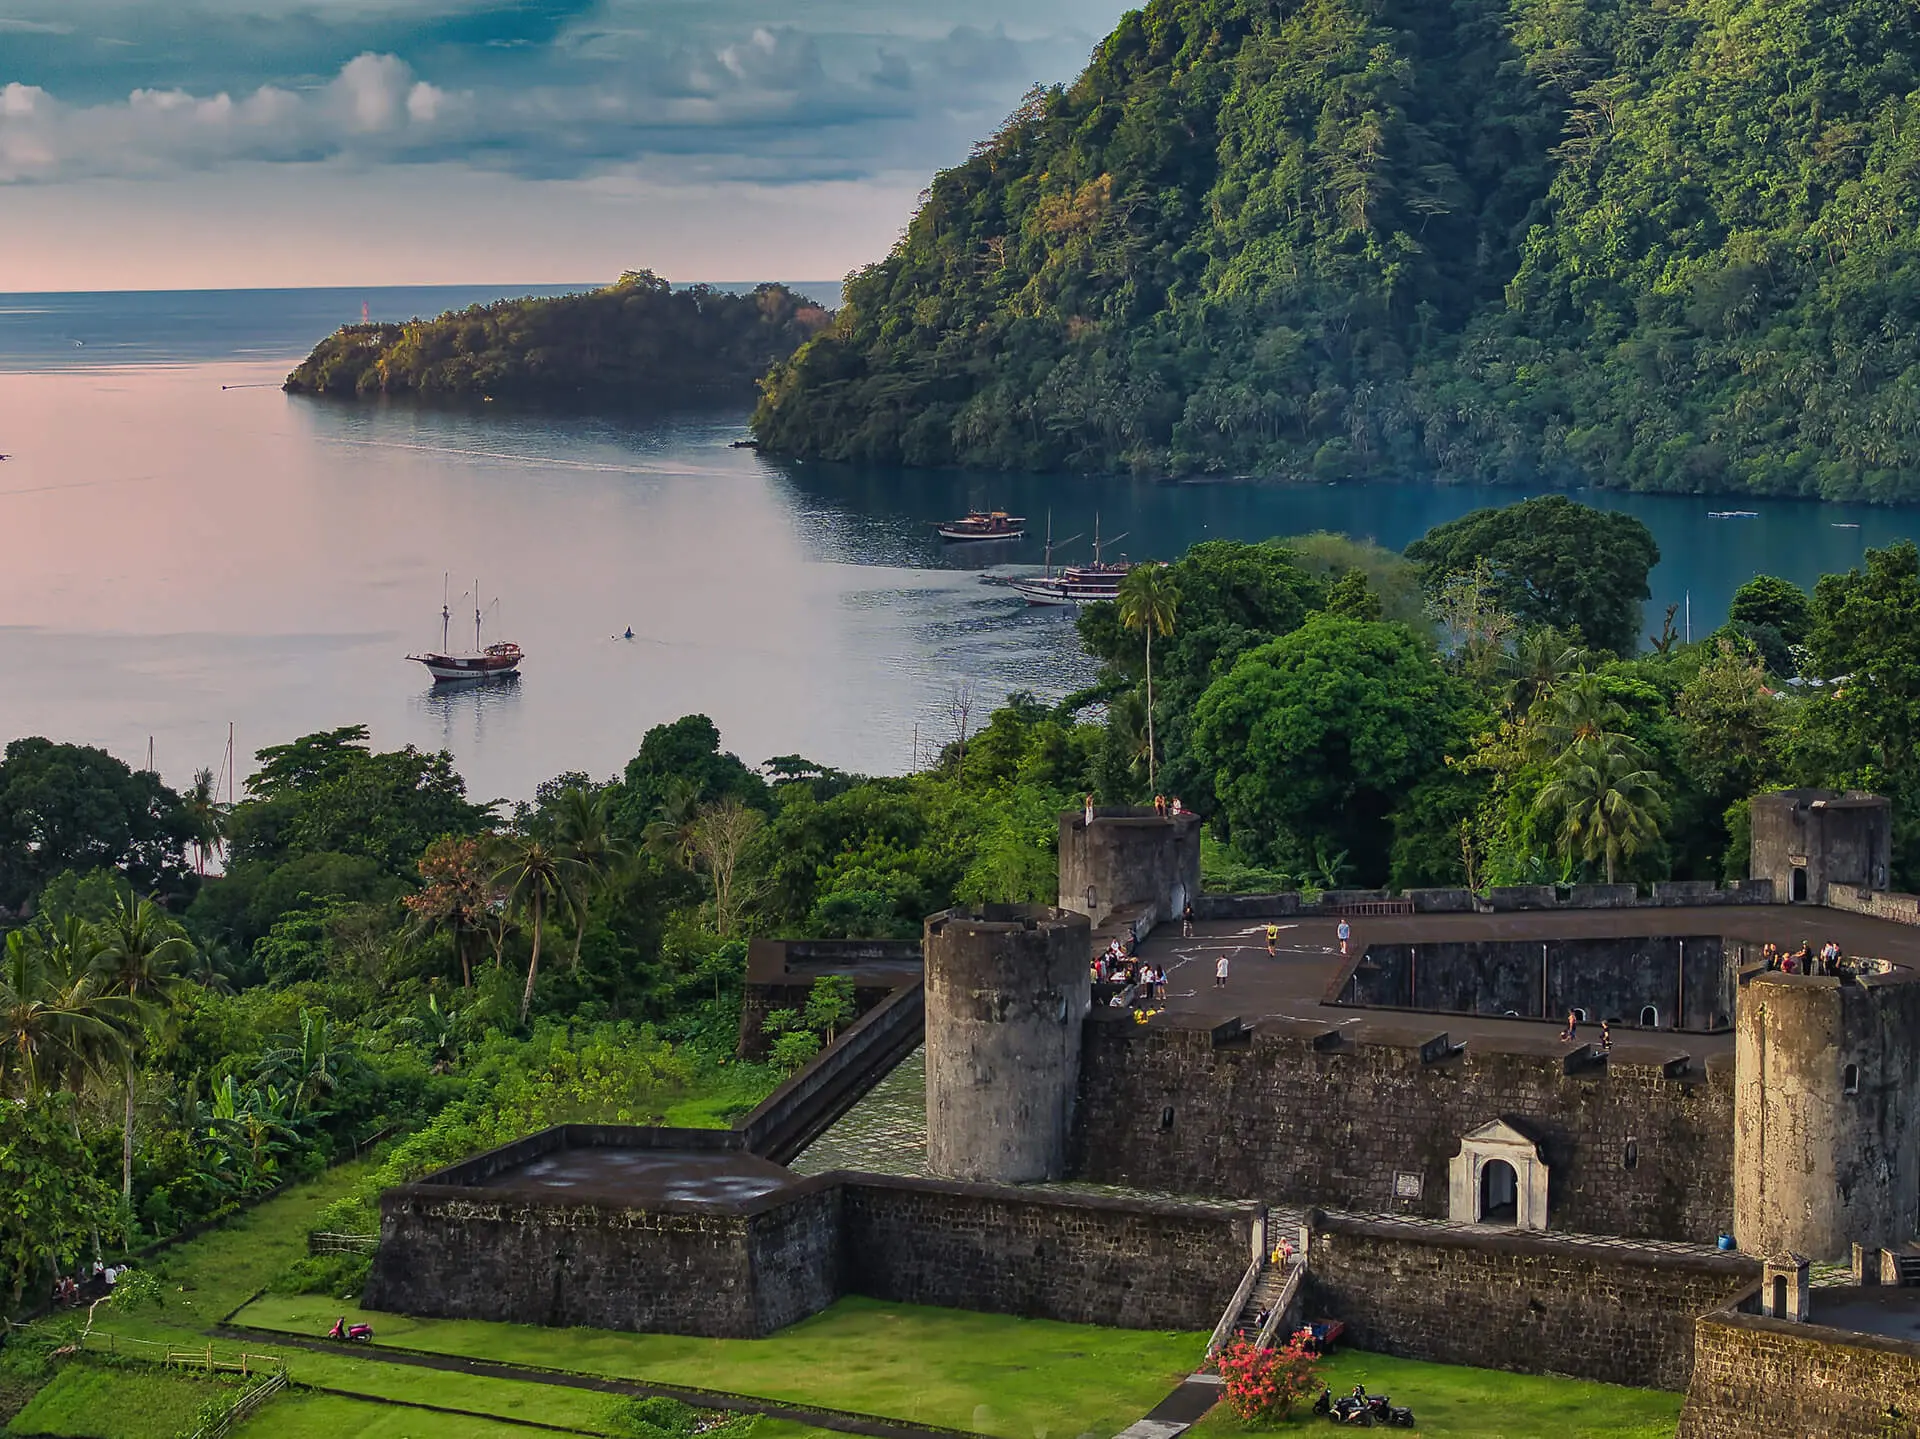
(583, 836)
(54, 1023)
(1607, 805)
(535, 877)
(1577, 711)
(77, 982)
(207, 816)
(143, 955)
(1540, 661)
(1149, 599)
(670, 835)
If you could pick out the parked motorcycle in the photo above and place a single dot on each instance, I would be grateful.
(351, 1333)
(1363, 1410)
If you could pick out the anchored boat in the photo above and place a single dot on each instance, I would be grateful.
(1076, 584)
(984, 525)
(483, 662)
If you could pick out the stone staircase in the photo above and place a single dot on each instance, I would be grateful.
(1255, 1314)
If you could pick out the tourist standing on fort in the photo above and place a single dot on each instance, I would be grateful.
(1572, 1031)
(1186, 920)
(1273, 938)
(1220, 972)
(1346, 933)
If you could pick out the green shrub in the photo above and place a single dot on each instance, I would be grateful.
(658, 1417)
(344, 1275)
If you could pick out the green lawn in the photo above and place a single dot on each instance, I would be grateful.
(328, 1416)
(1015, 1378)
(116, 1403)
(1452, 1402)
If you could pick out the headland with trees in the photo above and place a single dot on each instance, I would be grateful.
(636, 343)
(1606, 242)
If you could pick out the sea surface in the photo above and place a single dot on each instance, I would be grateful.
(183, 548)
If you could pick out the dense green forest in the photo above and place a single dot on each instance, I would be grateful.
(636, 342)
(199, 1001)
(1665, 246)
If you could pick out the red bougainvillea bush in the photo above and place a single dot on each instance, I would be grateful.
(1266, 1383)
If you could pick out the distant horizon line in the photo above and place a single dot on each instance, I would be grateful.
(396, 285)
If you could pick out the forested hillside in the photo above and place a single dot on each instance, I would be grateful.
(637, 341)
(1661, 245)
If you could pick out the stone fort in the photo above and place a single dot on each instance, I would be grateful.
(1719, 1193)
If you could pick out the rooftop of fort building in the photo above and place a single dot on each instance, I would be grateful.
(1292, 988)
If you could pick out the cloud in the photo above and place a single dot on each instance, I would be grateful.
(769, 103)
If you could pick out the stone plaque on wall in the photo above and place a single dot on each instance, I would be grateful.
(1407, 1186)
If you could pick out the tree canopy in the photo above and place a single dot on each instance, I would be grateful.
(74, 807)
(633, 342)
(1312, 739)
(1552, 562)
(1669, 246)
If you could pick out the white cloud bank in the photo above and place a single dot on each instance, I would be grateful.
(763, 107)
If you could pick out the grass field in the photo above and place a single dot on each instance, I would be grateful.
(329, 1416)
(1011, 1378)
(1452, 1402)
(991, 1373)
(98, 1402)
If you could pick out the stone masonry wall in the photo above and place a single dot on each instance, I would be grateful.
(793, 1254)
(1080, 1259)
(1527, 1302)
(1273, 1118)
(449, 1254)
(1765, 1376)
(1610, 978)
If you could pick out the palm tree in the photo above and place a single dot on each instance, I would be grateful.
(583, 835)
(670, 835)
(1148, 600)
(208, 817)
(1607, 804)
(1540, 661)
(77, 983)
(1579, 711)
(535, 876)
(46, 1028)
(143, 955)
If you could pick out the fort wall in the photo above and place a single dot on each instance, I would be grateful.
(448, 1252)
(1081, 1259)
(1753, 1375)
(1656, 982)
(1534, 1303)
(1287, 1113)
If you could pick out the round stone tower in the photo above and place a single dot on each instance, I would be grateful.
(1007, 990)
(1826, 1143)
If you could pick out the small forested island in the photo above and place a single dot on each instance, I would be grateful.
(637, 341)
(1635, 243)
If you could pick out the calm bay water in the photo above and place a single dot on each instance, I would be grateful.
(185, 547)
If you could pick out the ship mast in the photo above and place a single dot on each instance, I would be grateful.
(446, 612)
(1049, 542)
(476, 616)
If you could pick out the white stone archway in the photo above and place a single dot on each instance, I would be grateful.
(1505, 1141)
